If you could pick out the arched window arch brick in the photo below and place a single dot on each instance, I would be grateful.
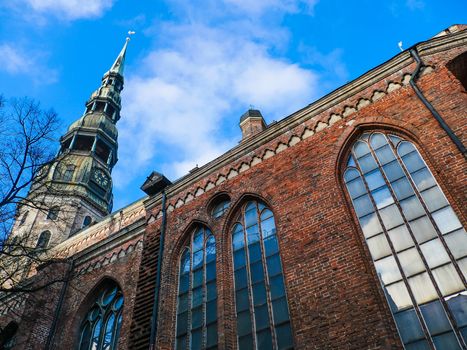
(417, 243)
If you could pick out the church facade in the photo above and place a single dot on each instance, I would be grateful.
(341, 226)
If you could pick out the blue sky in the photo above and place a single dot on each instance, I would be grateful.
(193, 67)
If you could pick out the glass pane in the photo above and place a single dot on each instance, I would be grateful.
(109, 329)
(284, 336)
(422, 288)
(457, 243)
(374, 179)
(434, 253)
(387, 270)
(409, 326)
(356, 187)
(256, 272)
(198, 278)
(351, 174)
(418, 345)
(245, 342)
(423, 179)
(254, 251)
(198, 240)
(377, 140)
(370, 225)
(210, 271)
(211, 311)
(252, 234)
(412, 208)
(183, 303)
(391, 216)
(351, 162)
(463, 266)
(360, 149)
(400, 238)
(198, 258)
(264, 340)
(259, 294)
(270, 245)
(239, 258)
(382, 197)
(378, 246)
(447, 279)
(458, 306)
(393, 171)
(211, 291)
(434, 199)
(261, 317)
(182, 323)
(197, 297)
(210, 249)
(398, 296)
(181, 342)
(185, 262)
(196, 340)
(363, 205)
(196, 317)
(274, 265)
(268, 227)
(280, 312)
(242, 300)
(184, 283)
(118, 303)
(405, 148)
(413, 162)
(240, 279)
(402, 188)
(446, 220)
(423, 229)
(435, 317)
(394, 139)
(447, 341)
(237, 239)
(211, 338)
(265, 214)
(108, 296)
(243, 323)
(251, 216)
(385, 155)
(367, 163)
(411, 262)
(277, 286)
(85, 337)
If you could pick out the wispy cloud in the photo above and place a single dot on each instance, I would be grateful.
(17, 61)
(415, 4)
(182, 106)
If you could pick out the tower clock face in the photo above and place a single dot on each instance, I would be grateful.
(100, 178)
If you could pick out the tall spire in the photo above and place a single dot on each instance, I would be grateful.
(119, 63)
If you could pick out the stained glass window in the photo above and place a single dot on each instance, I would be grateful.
(197, 293)
(260, 299)
(417, 243)
(101, 326)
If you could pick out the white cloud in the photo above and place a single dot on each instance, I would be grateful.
(17, 61)
(260, 6)
(70, 9)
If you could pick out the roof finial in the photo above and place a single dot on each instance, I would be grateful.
(118, 65)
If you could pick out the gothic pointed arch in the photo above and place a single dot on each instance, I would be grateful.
(416, 241)
(261, 306)
(100, 325)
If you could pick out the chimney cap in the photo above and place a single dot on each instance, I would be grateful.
(255, 113)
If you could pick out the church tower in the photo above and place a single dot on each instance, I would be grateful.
(79, 183)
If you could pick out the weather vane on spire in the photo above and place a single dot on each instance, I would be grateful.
(130, 32)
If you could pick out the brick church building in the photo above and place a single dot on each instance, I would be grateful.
(340, 226)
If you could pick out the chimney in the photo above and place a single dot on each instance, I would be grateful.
(251, 123)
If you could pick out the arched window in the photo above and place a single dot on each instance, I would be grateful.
(197, 293)
(43, 240)
(417, 243)
(101, 325)
(260, 299)
(23, 218)
(87, 221)
(53, 213)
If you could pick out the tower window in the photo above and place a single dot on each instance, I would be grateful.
(53, 213)
(101, 326)
(110, 110)
(102, 150)
(418, 245)
(43, 240)
(83, 143)
(68, 175)
(87, 221)
(260, 298)
(197, 293)
(99, 106)
(66, 144)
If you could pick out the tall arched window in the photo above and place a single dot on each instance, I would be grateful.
(260, 299)
(197, 293)
(101, 326)
(87, 221)
(417, 243)
(43, 240)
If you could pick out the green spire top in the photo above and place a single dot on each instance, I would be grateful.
(119, 63)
